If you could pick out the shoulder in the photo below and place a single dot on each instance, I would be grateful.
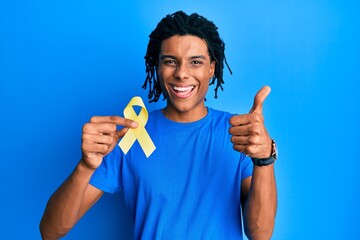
(219, 116)
(219, 113)
(155, 113)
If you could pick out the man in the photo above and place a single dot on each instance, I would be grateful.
(208, 167)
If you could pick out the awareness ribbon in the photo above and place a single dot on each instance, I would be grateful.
(138, 133)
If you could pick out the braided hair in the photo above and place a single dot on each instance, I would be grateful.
(182, 24)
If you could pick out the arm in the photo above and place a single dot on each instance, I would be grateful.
(75, 196)
(258, 193)
(69, 203)
(259, 201)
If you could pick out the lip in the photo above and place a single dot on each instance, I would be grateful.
(182, 91)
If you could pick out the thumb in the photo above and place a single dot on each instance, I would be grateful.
(259, 99)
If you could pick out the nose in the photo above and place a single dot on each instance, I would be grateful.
(182, 72)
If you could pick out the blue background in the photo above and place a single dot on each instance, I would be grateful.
(62, 62)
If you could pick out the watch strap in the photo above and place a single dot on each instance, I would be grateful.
(263, 161)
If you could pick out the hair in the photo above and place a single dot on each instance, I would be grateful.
(179, 23)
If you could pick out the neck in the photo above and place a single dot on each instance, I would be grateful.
(185, 116)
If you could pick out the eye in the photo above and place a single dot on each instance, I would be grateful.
(169, 62)
(196, 62)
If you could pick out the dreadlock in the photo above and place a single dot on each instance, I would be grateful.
(182, 24)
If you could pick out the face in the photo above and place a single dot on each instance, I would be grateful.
(184, 72)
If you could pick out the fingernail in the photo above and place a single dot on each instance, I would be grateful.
(134, 124)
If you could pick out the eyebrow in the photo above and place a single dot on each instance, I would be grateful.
(166, 56)
(192, 57)
(199, 56)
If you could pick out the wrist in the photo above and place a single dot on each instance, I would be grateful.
(267, 161)
(84, 167)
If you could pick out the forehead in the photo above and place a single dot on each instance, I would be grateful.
(184, 45)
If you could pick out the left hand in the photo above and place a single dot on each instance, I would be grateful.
(248, 131)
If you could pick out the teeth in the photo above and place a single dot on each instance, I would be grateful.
(183, 89)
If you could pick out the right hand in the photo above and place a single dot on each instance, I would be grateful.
(100, 136)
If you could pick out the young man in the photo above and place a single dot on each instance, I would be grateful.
(209, 166)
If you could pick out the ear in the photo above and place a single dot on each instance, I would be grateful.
(212, 68)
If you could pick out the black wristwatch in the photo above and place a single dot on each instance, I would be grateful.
(267, 161)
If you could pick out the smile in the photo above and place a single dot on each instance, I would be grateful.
(182, 92)
(183, 89)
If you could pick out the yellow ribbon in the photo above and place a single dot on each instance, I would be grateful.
(138, 133)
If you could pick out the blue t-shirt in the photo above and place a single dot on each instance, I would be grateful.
(189, 187)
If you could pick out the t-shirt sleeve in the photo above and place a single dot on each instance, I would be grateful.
(246, 167)
(107, 176)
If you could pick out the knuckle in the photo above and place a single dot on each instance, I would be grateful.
(249, 150)
(86, 127)
(232, 120)
(103, 148)
(239, 148)
(231, 131)
(84, 138)
(235, 147)
(93, 119)
(253, 150)
(236, 130)
(112, 127)
(113, 118)
(85, 147)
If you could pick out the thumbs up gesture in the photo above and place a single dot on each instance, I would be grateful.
(248, 131)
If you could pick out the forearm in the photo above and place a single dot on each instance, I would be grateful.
(62, 210)
(261, 204)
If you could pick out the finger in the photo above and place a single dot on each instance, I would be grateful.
(240, 148)
(240, 119)
(240, 140)
(95, 148)
(116, 120)
(249, 150)
(120, 133)
(259, 99)
(99, 128)
(245, 119)
(246, 130)
(99, 139)
(243, 130)
(246, 140)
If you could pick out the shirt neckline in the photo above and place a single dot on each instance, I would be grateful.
(172, 123)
